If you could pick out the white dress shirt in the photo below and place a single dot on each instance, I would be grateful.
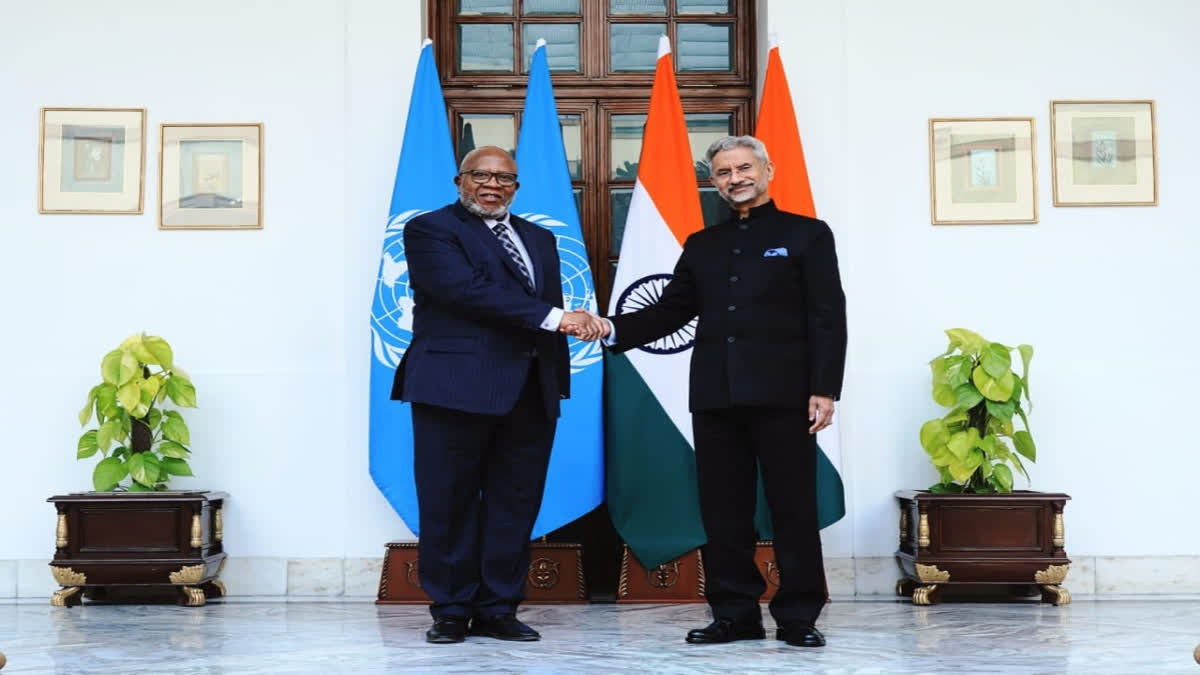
(554, 318)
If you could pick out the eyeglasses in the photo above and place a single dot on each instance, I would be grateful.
(482, 177)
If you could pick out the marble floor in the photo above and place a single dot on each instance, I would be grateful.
(1129, 635)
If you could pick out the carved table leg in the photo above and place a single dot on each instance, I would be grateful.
(213, 589)
(192, 596)
(926, 594)
(1055, 595)
(904, 587)
(69, 596)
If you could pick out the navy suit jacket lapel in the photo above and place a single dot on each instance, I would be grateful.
(489, 238)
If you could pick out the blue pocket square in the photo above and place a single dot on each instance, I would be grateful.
(775, 252)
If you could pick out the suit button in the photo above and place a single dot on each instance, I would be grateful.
(733, 278)
(732, 308)
(737, 251)
(731, 339)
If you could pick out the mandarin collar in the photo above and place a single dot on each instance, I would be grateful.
(759, 211)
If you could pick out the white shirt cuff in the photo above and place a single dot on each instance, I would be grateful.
(612, 335)
(553, 319)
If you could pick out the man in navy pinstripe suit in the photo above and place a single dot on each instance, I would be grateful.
(485, 372)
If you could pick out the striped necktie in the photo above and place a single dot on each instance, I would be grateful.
(501, 231)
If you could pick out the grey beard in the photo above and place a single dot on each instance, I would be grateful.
(734, 201)
(478, 210)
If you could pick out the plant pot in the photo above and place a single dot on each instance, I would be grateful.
(107, 541)
(1006, 540)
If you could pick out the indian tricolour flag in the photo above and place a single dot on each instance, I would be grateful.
(651, 466)
(776, 128)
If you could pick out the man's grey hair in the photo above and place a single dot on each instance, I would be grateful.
(731, 142)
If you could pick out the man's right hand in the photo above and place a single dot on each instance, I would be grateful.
(584, 325)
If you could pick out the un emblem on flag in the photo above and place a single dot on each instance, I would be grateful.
(576, 283)
(644, 292)
(391, 308)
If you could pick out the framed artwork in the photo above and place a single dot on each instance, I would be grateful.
(982, 170)
(91, 160)
(210, 176)
(1104, 153)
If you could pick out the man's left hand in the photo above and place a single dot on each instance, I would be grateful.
(820, 413)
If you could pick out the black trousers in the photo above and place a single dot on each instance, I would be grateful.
(479, 487)
(728, 441)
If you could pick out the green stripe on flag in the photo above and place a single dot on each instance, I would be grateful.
(831, 499)
(650, 470)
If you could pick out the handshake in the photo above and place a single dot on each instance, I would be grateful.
(584, 325)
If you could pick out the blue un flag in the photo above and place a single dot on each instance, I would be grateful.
(575, 483)
(424, 182)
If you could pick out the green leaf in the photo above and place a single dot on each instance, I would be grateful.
(962, 442)
(941, 457)
(110, 367)
(1024, 444)
(106, 400)
(174, 429)
(120, 451)
(960, 471)
(173, 449)
(176, 467)
(153, 417)
(150, 387)
(1026, 356)
(181, 391)
(933, 434)
(958, 370)
(987, 444)
(134, 345)
(996, 360)
(967, 397)
(108, 432)
(974, 459)
(138, 487)
(144, 468)
(940, 489)
(944, 395)
(87, 445)
(985, 489)
(160, 350)
(86, 413)
(130, 394)
(969, 342)
(1002, 477)
(128, 368)
(996, 389)
(1004, 410)
(937, 369)
(108, 474)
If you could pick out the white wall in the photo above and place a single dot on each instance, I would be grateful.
(272, 325)
(1105, 295)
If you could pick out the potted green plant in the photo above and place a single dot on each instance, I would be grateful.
(131, 531)
(971, 527)
(149, 444)
(969, 446)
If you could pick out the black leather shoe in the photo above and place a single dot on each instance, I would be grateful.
(504, 627)
(726, 630)
(447, 629)
(800, 634)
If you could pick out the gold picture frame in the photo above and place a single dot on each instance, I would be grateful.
(91, 160)
(210, 176)
(1104, 153)
(982, 170)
